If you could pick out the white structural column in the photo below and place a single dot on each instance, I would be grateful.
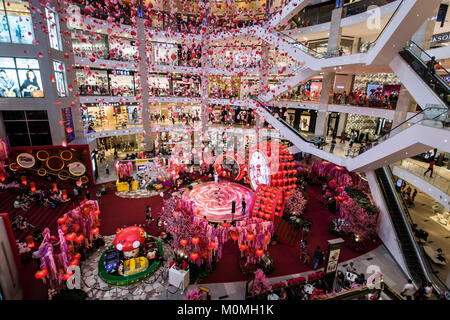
(143, 71)
(327, 89)
(405, 104)
(334, 38)
(204, 78)
(263, 78)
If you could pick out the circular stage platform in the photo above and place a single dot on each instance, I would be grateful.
(213, 201)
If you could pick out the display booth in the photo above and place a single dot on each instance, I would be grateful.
(64, 163)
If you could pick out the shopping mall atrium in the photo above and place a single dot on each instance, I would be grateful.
(256, 149)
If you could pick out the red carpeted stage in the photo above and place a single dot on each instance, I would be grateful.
(214, 200)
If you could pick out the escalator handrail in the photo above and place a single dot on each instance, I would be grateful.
(405, 222)
(418, 246)
(415, 44)
(282, 121)
(406, 121)
(371, 44)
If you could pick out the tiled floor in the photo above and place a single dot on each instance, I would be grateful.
(439, 235)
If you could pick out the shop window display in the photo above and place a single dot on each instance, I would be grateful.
(20, 78)
(60, 78)
(90, 45)
(122, 49)
(92, 82)
(53, 29)
(122, 82)
(111, 117)
(16, 24)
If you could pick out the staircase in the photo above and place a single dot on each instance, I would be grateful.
(285, 231)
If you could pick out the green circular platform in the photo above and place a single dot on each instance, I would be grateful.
(121, 281)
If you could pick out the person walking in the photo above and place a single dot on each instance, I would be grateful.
(408, 290)
(333, 144)
(317, 258)
(303, 249)
(107, 169)
(430, 168)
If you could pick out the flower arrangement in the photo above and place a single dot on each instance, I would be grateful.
(297, 281)
(260, 283)
(296, 203)
(194, 294)
(279, 285)
(23, 247)
(315, 276)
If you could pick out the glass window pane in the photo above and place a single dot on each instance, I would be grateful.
(31, 84)
(53, 29)
(13, 115)
(27, 63)
(7, 62)
(36, 115)
(21, 28)
(17, 133)
(4, 29)
(9, 86)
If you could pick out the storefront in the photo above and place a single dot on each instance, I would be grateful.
(333, 123)
(321, 45)
(372, 126)
(304, 120)
(223, 87)
(165, 53)
(125, 145)
(106, 82)
(112, 116)
(185, 85)
(85, 44)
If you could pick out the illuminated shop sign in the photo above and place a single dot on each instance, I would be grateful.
(121, 72)
(441, 37)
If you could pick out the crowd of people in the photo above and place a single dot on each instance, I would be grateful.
(362, 99)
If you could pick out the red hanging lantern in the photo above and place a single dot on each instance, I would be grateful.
(62, 219)
(41, 274)
(64, 194)
(95, 230)
(242, 247)
(183, 242)
(259, 252)
(77, 256)
(76, 227)
(267, 238)
(195, 240)
(32, 187)
(213, 245)
(96, 212)
(250, 236)
(67, 276)
(74, 262)
(24, 180)
(71, 236)
(55, 187)
(234, 235)
(193, 256)
(79, 238)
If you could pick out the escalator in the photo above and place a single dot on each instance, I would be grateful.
(417, 264)
(418, 58)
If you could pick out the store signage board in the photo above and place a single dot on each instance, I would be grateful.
(441, 37)
(334, 250)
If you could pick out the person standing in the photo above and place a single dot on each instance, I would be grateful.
(244, 205)
(107, 169)
(430, 168)
(428, 291)
(99, 197)
(408, 290)
(431, 65)
(317, 258)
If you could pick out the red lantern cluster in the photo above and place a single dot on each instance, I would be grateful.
(268, 202)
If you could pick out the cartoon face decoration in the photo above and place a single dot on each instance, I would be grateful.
(259, 170)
